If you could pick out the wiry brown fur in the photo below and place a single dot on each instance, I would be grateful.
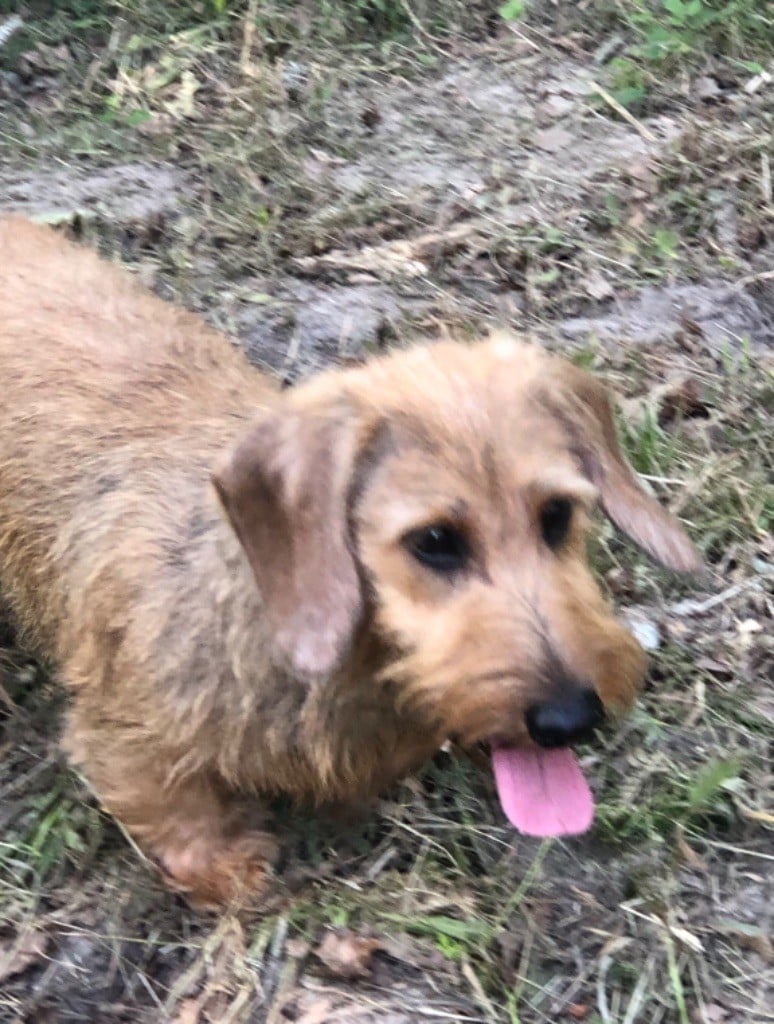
(292, 646)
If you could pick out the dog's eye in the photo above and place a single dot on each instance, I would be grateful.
(555, 517)
(442, 548)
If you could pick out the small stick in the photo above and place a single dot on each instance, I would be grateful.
(624, 113)
(766, 178)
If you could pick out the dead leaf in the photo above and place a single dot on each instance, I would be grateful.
(297, 949)
(371, 116)
(757, 81)
(598, 287)
(682, 399)
(620, 581)
(645, 630)
(636, 220)
(767, 817)
(689, 856)
(318, 1013)
(48, 58)
(157, 124)
(20, 952)
(578, 1011)
(750, 236)
(347, 955)
(748, 936)
(715, 667)
(184, 105)
(706, 88)
(643, 171)
(189, 1012)
(400, 258)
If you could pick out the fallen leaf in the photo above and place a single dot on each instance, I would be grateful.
(689, 856)
(370, 116)
(767, 817)
(188, 1012)
(748, 936)
(578, 1011)
(687, 938)
(157, 124)
(682, 399)
(318, 1013)
(748, 626)
(184, 104)
(757, 81)
(645, 631)
(297, 949)
(347, 955)
(20, 952)
(619, 581)
(715, 667)
(750, 236)
(706, 88)
(598, 287)
(636, 220)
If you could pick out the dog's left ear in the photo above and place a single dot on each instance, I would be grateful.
(585, 406)
(284, 488)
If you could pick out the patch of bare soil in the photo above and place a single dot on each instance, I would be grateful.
(726, 315)
(140, 193)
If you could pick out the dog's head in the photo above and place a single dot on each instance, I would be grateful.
(446, 492)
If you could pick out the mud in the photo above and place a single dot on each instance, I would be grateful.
(135, 193)
(726, 316)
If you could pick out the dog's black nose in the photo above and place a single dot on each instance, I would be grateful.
(567, 720)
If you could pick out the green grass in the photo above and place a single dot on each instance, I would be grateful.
(662, 39)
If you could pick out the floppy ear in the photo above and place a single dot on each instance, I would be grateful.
(284, 488)
(588, 411)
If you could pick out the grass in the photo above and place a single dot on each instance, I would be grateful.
(658, 40)
(659, 914)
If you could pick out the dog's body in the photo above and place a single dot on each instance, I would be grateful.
(355, 656)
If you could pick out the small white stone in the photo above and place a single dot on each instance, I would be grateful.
(645, 632)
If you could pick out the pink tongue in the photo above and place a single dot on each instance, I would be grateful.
(543, 792)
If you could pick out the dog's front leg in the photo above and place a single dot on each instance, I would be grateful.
(210, 845)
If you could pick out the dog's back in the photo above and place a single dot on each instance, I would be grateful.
(104, 387)
(144, 363)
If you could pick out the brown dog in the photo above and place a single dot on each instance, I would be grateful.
(415, 528)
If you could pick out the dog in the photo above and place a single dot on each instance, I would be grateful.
(251, 592)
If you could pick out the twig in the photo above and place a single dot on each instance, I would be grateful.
(481, 997)
(692, 607)
(433, 41)
(623, 112)
(766, 179)
(248, 38)
(743, 282)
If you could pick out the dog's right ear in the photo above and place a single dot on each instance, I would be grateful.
(284, 488)
(587, 410)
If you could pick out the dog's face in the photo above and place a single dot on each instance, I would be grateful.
(448, 491)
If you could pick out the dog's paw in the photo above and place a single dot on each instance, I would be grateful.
(216, 872)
